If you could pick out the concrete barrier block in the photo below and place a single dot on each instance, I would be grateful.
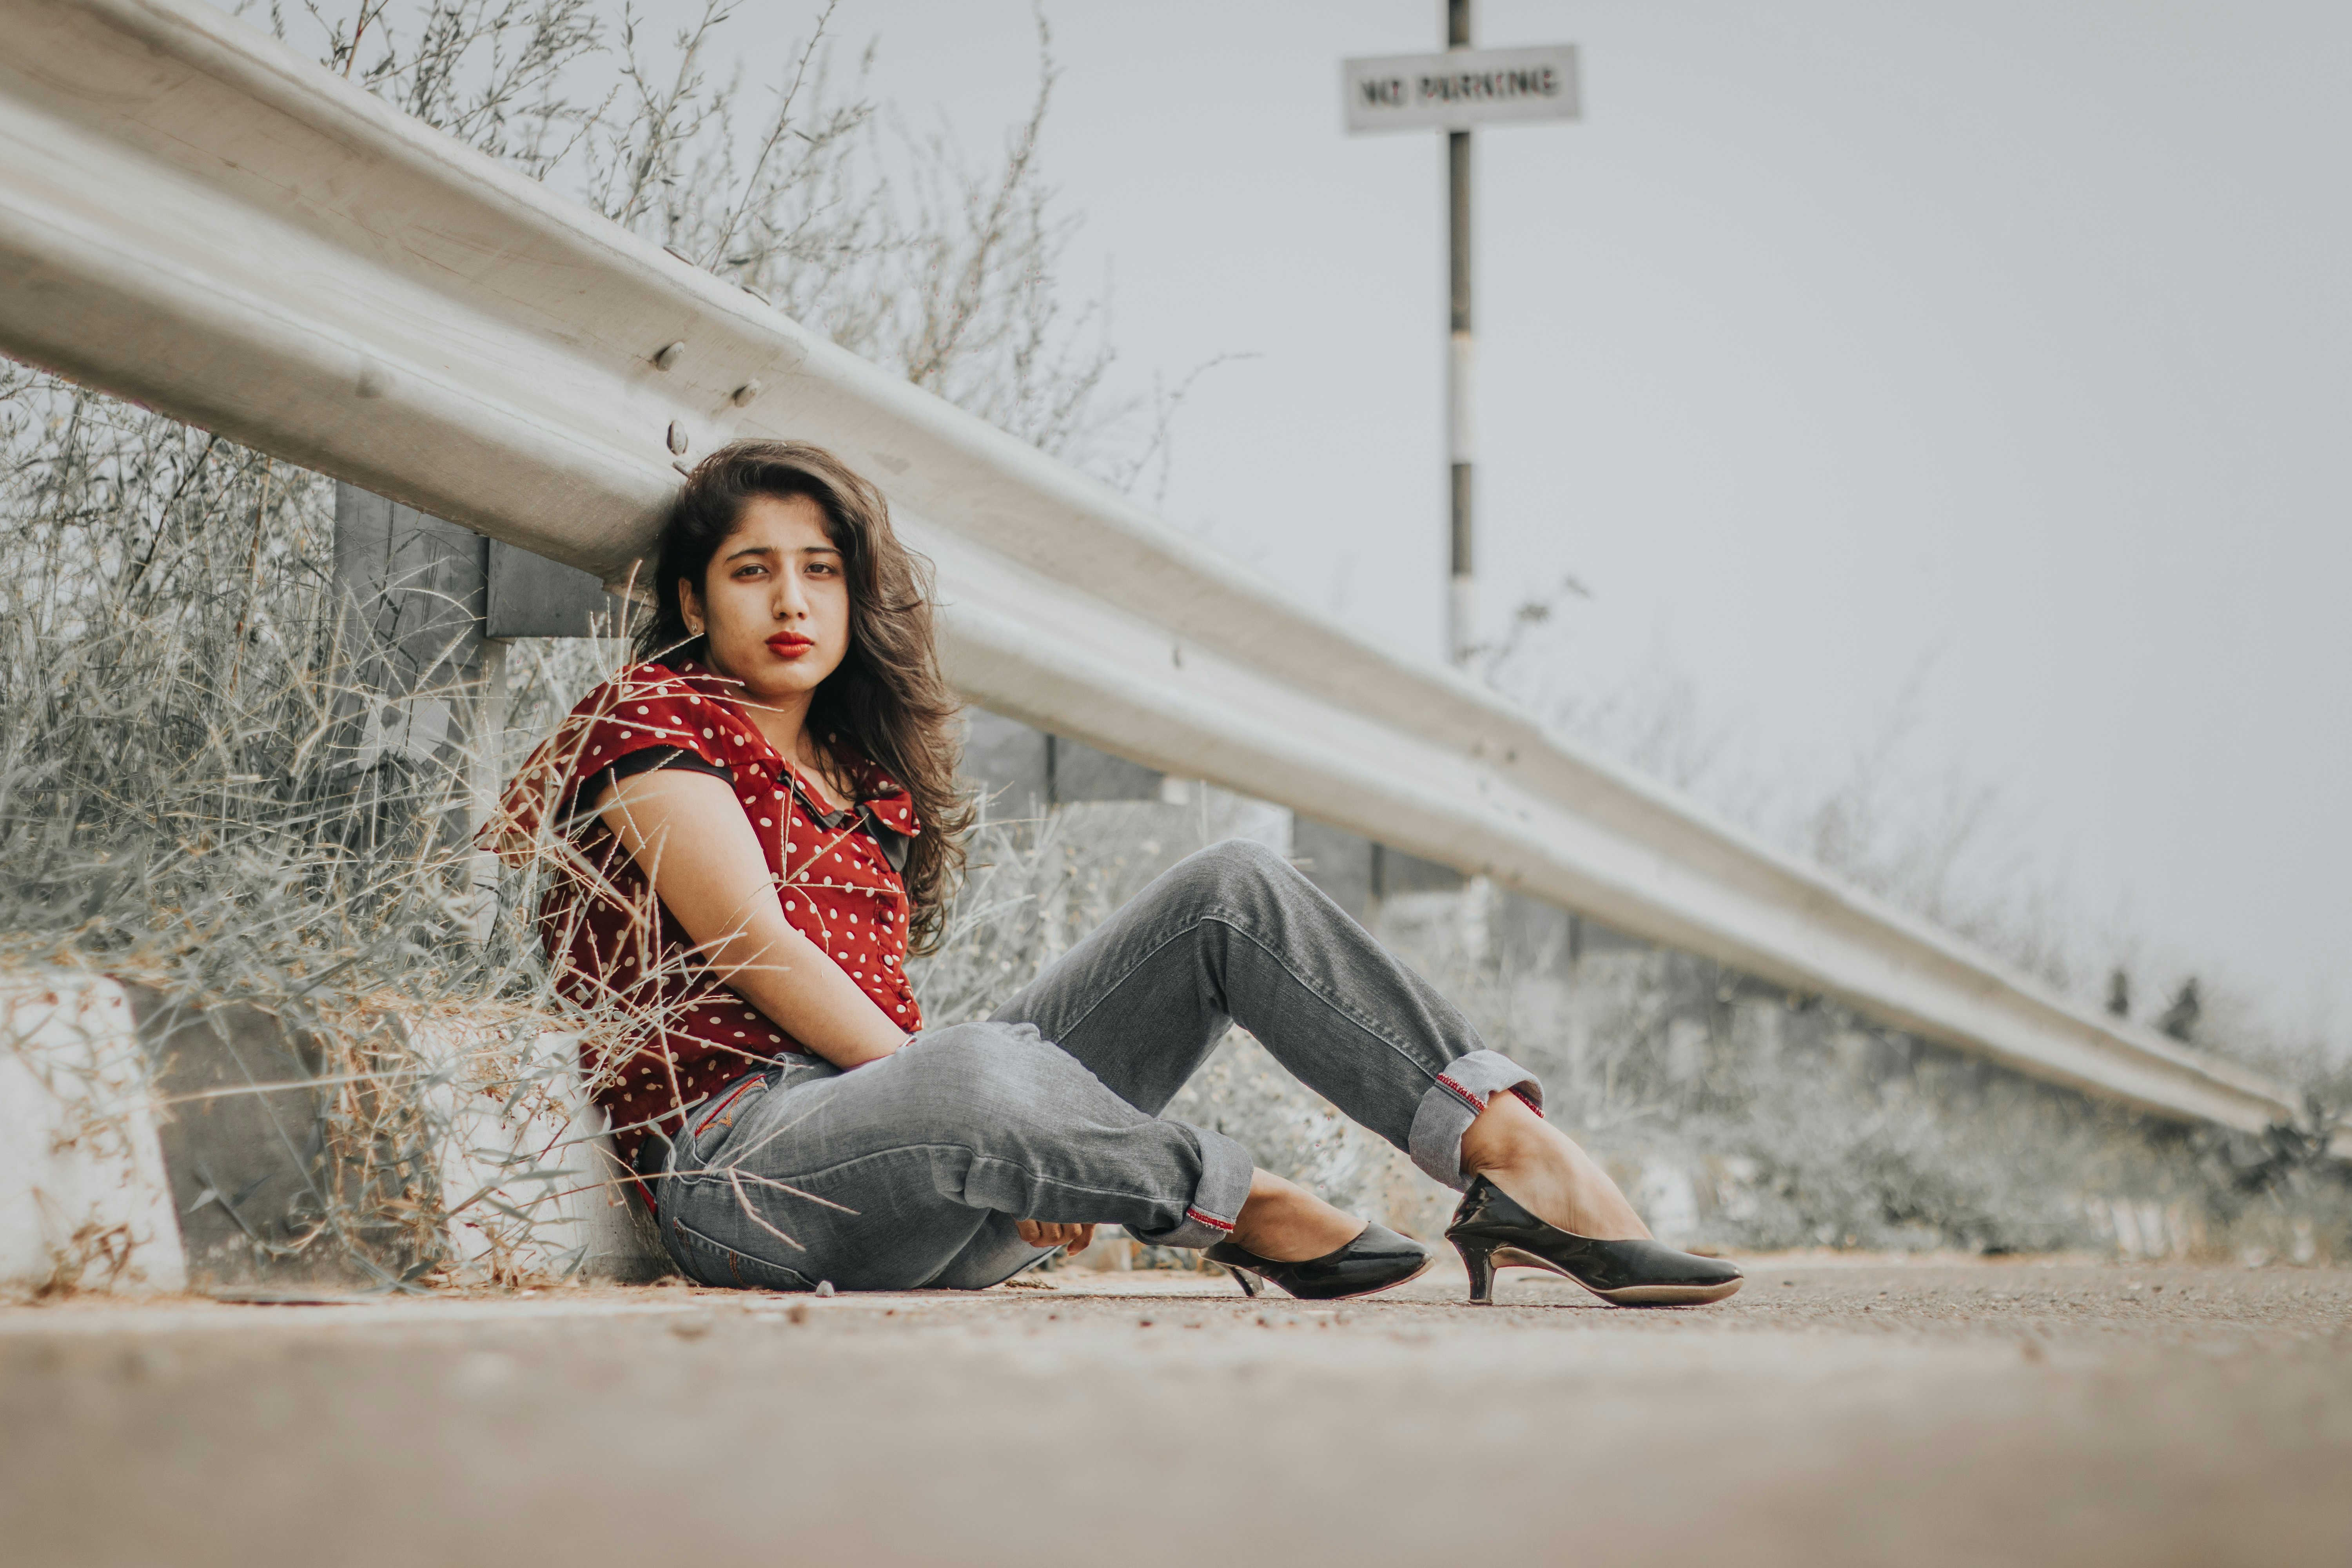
(84, 1200)
(527, 1166)
(281, 1146)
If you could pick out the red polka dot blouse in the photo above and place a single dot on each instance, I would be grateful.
(615, 946)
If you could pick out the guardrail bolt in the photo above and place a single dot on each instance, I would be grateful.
(677, 438)
(748, 391)
(669, 356)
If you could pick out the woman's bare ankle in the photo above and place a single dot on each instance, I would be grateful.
(1542, 1170)
(1286, 1223)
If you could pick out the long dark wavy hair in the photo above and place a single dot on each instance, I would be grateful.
(887, 699)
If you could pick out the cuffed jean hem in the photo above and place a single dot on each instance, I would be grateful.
(1453, 1102)
(1225, 1171)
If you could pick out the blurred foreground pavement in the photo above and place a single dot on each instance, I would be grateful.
(1834, 1412)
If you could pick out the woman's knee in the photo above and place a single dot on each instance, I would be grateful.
(1239, 865)
(982, 1073)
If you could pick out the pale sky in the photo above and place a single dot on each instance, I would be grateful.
(2011, 341)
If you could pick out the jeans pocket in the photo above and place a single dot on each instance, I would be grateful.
(715, 1263)
(708, 1121)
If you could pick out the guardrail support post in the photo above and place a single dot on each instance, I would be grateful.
(436, 604)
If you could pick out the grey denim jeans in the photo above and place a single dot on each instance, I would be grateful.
(911, 1171)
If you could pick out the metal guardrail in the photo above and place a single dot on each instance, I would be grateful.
(195, 217)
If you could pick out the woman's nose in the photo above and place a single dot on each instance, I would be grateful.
(789, 603)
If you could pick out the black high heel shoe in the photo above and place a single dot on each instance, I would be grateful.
(1491, 1232)
(1378, 1258)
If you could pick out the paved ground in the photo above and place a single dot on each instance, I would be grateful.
(1833, 1413)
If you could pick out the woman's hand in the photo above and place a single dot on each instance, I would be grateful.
(1043, 1233)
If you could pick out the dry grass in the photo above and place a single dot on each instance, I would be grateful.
(1743, 1117)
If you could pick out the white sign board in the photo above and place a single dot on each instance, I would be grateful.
(1461, 88)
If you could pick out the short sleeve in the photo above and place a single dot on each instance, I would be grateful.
(645, 760)
(657, 758)
(644, 709)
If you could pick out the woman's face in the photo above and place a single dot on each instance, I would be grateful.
(775, 602)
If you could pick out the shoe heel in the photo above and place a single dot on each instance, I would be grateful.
(1480, 1262)
(1242, 1279)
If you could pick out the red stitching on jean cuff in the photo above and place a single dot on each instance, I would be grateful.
(1211, 1221)
(1528, 1098)
(1468, 1098)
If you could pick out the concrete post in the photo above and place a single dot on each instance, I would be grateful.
(434, 605)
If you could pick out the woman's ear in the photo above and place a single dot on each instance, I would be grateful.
(690, 608)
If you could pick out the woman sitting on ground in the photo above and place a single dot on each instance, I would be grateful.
(757, 823)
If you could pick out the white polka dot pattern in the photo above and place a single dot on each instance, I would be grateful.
(611, 938)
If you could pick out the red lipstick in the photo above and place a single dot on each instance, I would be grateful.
(789, 644)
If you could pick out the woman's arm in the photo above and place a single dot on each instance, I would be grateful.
(686, 832)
